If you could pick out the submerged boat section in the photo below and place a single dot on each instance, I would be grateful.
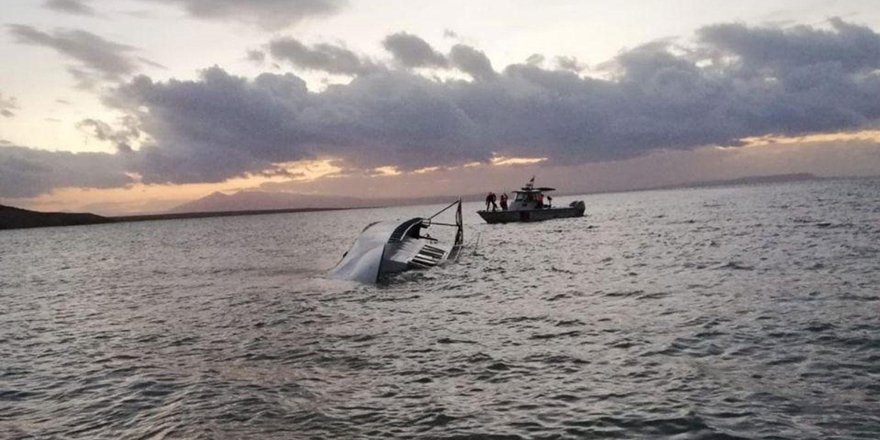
(389, 247)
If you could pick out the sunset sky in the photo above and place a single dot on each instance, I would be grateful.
(128, 106)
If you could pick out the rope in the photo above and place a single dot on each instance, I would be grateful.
(444, 209)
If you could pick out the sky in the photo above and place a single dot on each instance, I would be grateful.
(130, 106)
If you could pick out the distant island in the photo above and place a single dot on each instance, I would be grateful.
(257, 203)
(14, 218)
(17, 218)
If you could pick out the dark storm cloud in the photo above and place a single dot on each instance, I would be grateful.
(98, 58)
(8, 105)
(27, 172)
(222, 125)
(471, 61)
(412, 51)
(122, 137)
(323, 57)
(77, 7)
(657, 98)
(852, 47)
(267, 14)
(646, 61)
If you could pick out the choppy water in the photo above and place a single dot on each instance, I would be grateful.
(741, 312)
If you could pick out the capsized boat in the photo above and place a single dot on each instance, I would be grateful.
(528, 206)
(389, 247)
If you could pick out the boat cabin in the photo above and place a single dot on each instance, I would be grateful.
(529, 198)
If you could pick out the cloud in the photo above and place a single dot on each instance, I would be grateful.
(646, 61)
(412, 51)
(266, 14)
(76, 7)
(852, 47)
(256, 56)
(569, 63)
(7, 106)
(471, 61)
(322, 57)
(222, 125)
(98, 59)
(657, 98)
(27, 172)
(122, 138)
(535, 59)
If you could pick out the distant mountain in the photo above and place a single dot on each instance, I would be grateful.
(260, 200)
(14, 218)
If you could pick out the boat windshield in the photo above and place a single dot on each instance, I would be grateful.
(524, 197)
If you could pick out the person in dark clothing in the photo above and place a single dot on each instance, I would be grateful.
(504, 201)
(490, 200)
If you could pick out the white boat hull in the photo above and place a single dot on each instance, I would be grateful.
(387, 248)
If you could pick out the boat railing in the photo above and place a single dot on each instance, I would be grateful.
(459, 233)
(401, 230)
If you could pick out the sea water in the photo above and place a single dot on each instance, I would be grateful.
(736, 312)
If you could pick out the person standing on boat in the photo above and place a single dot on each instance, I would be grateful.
(504, 201)
(490, 200)
(540, 200)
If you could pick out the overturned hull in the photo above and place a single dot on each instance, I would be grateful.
(576, 209)
(362, 262)
(387, 248)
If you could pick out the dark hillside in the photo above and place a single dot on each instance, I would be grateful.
(14, 218)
